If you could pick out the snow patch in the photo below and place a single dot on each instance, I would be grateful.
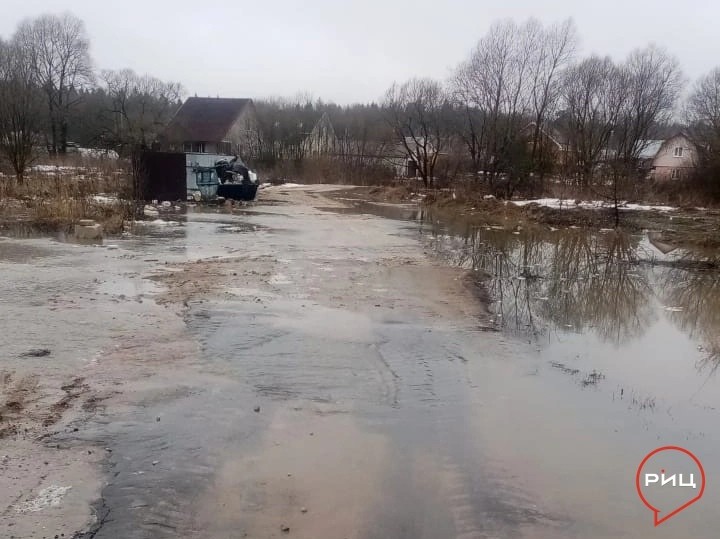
(98, 153)
(157, 222)
(47, 497)
(288, 185)
(53, 168)
(563, 204)
(105, 199)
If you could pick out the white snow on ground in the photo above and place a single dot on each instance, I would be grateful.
(645, 207)
(105, 199)
(559, 203)
(53, 168)
(160, 222)
(285, 185)
(150, 211)
(98, 153)
(157, 222)
(47, 497)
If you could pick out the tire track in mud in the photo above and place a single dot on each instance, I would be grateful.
(470, 497)
(211, 326)
(285, 358)
(461, 507)
(389, 379)
(485, 499)
(423, 366)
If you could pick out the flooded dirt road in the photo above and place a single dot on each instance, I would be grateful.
(306, 368)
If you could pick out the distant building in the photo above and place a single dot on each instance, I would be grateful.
(550, 141)
(407, 158)
(322, 139)
(213, 125)
(206, 129)
(650, 149)
(675, 159)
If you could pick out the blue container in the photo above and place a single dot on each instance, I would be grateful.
(207, 182)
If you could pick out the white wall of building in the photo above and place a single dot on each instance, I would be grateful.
(202, 160)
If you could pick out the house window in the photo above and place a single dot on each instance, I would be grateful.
(675, 174)
(225, 147)
(194, 147)
(678, 152)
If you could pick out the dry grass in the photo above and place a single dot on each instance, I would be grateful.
(326, 170)
(58, 193)
(474, 207)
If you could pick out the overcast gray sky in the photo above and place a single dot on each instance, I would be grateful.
(349, 51)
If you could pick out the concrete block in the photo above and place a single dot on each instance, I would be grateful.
(89, 232)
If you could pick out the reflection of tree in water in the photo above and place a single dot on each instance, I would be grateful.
(693, 298)
(594, 282)
(564, 279)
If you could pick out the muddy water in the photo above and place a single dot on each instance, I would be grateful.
(609, 310)
(616, 340)
(626, 336)
(387, 409)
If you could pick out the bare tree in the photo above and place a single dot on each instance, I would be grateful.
(284, 125)
(499, 79)
(703, 113)
(611, 112)
(141, 107)
(59, 49)
(415, 113)
(592, 97)
(469, 121)
(20, 108)
(653, 82)
(555, 49)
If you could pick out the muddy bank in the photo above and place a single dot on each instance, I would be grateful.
(79, 329)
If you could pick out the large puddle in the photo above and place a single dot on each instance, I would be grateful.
(606, 344)
(621, 313)
(605, 308)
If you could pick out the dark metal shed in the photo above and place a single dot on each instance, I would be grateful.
(162, 176)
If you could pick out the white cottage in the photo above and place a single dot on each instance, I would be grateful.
(675, 159)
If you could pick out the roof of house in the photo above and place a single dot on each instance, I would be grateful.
(555, 136)
(415, 144)
(650, 148)
(323, 124)
(674, 138)
(205, 119)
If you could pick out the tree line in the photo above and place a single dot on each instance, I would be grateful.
(51, 94)
(522, 107)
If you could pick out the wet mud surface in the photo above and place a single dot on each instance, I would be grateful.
(318, 368)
